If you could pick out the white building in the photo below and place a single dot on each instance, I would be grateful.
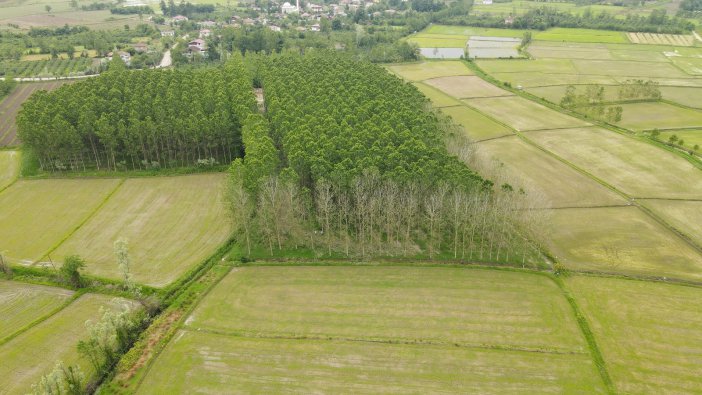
(288, 8)
(205, 33)
(167, 33)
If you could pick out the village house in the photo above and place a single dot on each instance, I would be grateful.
(315, 27)
(315, 8)
(288, 8)
(274, 28)
(179, 19)
(125, 56)
(141, 47)
(205, 33)
(167, 33)
(198, 43)
(207, 24)
(248, 22)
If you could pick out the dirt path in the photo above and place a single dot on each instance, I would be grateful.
(166, 61)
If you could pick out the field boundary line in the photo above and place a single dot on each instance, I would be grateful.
(493, 138)
(84, 221)
(315, 338)
(16, 176)
(43, 318)
(584, 326)
(178, 324)
(632, 201)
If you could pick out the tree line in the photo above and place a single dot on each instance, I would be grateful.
(350, 160)
(545, 17)
(141, 119)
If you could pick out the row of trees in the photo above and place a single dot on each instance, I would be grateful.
(543, 18)
(140, 119)
(352, 161)
(591, 100)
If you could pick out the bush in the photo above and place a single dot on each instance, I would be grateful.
(70, 270)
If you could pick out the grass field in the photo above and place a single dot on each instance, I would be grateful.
(21, 304)
(637, 168)
(507, 309)
(35, 352)
(11, 105)
(628, 68)
(536, 79)
(685, 216)
(438, 40)
(472, 31)
(581, 35)
(545, 49)
(692, 66)
(438, 98)
(213, 363)
(657, 115)
(9, 167)
(542, 175)
(171, 223)
(426, 70)
(691, 97)
(621, 240)
(522, 114)
(476, 125)
(35, 215)
(556, 66)
(34, 15)
(648, 333)
(291, 328)
(466, 87)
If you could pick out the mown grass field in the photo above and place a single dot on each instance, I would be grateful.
(621, 240)
(10, 106)
(171, 224)
(274, 328)
(34, 353)
(523, 115)
(463, 87)
(438, 98)
(690, 137)
(658, 115)
(648, 332)
(683, 215)
(21, 304)
(553, 183)
(640, 169)
(476, 125)
(426, 70)
(691, 97)
(36, 215)
(9, 167)
(213, 363)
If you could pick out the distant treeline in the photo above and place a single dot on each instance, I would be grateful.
(58, 31)
(144, 9)
(140, 119)
(547, 17)
(185, 8)
(690, 8)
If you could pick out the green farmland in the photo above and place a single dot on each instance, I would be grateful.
(14, 297)
(378, 325)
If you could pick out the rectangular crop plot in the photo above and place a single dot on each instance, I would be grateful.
(556, 66)
(466, 87)
(198, 362)
(581, 35)
(691, 97)
(9, 167)
(534, 79)
(21, 304)
(649, 333)
(620, 240)
(572, 51)
(171, 224)
(438, 98)
(638, 168)
(438, 40)
(522, 114)
(429, 305)
(12, 104)
(658, 115)
(683, 215)
(551, 182)
(692, 66)
(34, 353)
(555, 93)
(476, 125)
(628, 68)
(433, 69)
(36, 215)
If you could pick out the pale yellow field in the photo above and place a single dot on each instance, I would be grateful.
(171, 224)
(648, 333)
(36, 215)
(620, 240)
(523, 165)
(21, 304)
(426, 70)
(464, 87)
(438, 98)
(685, 216)
(523, 115)
(476, 125)
(9, 167)
(635, 167)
